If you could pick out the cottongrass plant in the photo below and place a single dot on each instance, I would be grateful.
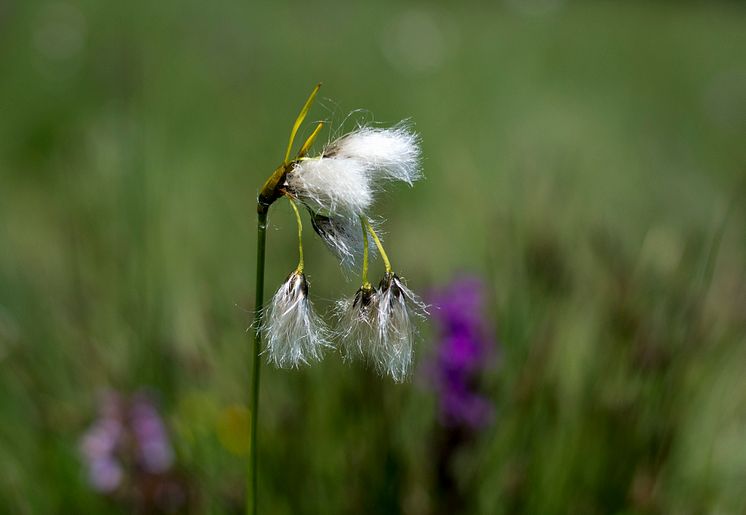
(338, 189)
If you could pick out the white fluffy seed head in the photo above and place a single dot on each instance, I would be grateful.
(294, 333)
(345, 178)
(357, 323)
(332, 185)
(379, 326)
(397, 307)
(344, 237)
(387, 154)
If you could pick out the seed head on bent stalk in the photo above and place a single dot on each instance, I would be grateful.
(337, 188)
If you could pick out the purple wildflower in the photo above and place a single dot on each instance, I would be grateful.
(127, 432)
(464, 351)
(154, 449)
(101, 442)
(105, 474)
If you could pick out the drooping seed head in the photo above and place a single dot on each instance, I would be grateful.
(294, 333)
(397, 308)
(357, 323)
(343, 235)
(378, 325)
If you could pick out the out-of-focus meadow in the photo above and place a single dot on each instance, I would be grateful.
(585, 161)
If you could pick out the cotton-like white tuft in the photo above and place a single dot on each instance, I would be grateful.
(344, 237)
(379, 326)
(357, 319)
(294, 333)
(390, 154)
(397, 307)
(340, 185)
(332, 185)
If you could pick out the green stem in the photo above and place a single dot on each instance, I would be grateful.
(384, 256)
(251, 490)
(366, 284)
(299, 269)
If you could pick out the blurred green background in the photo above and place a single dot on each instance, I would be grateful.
(586, 159)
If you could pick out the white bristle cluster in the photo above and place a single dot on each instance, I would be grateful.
(294, 333)
(392, 154)
(342, 234)
(357, 322)
(340, 185)
(397, 307)
(332, 185)
(382, 328)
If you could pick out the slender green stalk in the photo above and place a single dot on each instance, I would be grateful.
(363, 223)
(251, 485)
(299, 269)
(384, 256)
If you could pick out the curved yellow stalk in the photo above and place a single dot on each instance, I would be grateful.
(363, 222)
(300, 234)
